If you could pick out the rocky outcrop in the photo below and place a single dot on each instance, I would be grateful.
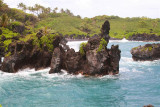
(96, 59)
(147, 52)
(93, 62)
(18, 28)
(25, 55)
(144, 37)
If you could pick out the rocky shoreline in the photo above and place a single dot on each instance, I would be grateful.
(94, 59)
(144, 37)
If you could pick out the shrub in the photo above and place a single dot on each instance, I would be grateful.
(6, 44)
(16, 23)
(81, 49)
(102, 45)
(8, 54)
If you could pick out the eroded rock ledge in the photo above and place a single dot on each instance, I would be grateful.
(147, 52)
(94, 58)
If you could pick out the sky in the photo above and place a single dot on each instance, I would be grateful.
(91, 8)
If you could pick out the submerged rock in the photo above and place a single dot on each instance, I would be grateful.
(96, 59)
(147, 52)
(148, 105)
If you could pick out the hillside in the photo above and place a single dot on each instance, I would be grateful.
(17, 25)
(120, 27)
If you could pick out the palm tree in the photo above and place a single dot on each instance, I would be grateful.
(62, 11)
(22, 6)
(69, 12)
(37, 8)
(55, 10)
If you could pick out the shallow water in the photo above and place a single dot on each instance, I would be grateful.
(136, 85)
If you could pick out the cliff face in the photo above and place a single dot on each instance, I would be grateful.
(147, 52)
(94, 58)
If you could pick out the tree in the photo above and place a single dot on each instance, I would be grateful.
(79, 16)
(55, 10)
(22, 6)
(3, 7)
(4, 20)
(67, 11)
(31, 9)
(62, 10)
(37, 8)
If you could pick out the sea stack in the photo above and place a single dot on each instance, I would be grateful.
(94, 58)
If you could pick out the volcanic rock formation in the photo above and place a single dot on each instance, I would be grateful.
(94, 62)
(147, 52)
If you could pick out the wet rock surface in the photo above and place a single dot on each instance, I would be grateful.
(25, 55)
(147, 52)
(93, 62)
(97, 60)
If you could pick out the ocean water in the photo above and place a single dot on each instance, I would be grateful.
(137, 84)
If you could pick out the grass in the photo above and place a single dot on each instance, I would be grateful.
(120, 27)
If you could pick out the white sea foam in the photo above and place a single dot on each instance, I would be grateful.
(123, 40)
(75, 45)
(62, 75)
(2, 59)
(110, 77)
(123, 69)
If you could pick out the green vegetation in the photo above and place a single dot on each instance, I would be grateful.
(65, 22)
(102, 45)
(6, 44)
(81, 49)
(148, 48)
(8, 54)
(120, 27)
(8, 33)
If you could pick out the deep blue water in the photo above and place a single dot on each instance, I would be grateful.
(137, 84)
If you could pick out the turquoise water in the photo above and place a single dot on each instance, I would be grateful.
(137, 84)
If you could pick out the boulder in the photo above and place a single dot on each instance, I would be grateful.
(146, 52)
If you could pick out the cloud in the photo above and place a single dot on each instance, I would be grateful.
(91, 8)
